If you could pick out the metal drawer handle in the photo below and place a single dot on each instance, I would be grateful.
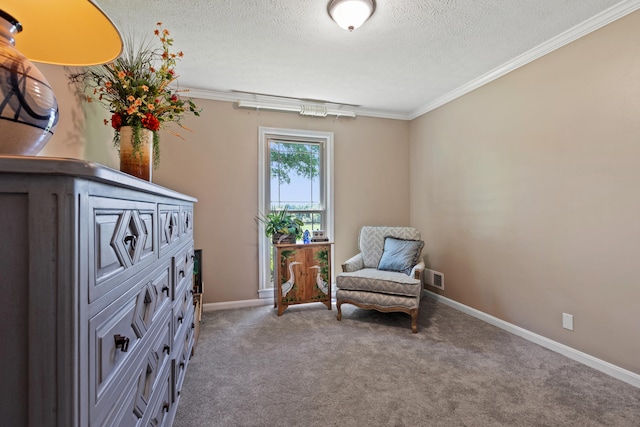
(166, 290)
(132, 240)
(122, 342)
(166, 349)
(180, 319)
(165, 407)
(181, 365)
(181, 273)
(193, 325)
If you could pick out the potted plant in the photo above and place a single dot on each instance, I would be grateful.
(139, 89)
(281, 226)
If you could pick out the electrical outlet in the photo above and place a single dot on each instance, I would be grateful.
(434, 278)
(567, 321)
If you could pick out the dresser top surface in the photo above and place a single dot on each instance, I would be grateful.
(75, 168)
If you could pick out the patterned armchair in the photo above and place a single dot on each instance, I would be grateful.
(386, 274)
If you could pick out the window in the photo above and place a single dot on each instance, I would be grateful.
(296, 173)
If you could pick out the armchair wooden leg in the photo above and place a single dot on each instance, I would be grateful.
(338, 304)
(414, 321)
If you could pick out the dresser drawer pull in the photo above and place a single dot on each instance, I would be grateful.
(132, 240)
(121, 342)
(181, 365)
(165, 407)
(165, 289)
(193, 325)
(181, 273)
(180, 319)
(166, 349)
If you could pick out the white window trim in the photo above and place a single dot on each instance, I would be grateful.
(264, 134)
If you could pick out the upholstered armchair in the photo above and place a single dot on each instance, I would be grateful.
(386, 274)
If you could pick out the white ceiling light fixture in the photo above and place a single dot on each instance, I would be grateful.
(350, 14)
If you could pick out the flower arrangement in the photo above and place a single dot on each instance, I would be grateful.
(137, 88)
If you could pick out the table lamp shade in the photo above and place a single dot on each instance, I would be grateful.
(60, 32)
(64, 32)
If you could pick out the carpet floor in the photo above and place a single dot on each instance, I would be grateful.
(304, 368)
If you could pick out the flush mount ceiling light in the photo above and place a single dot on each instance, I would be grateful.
(350, 14)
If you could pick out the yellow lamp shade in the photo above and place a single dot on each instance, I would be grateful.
(64, 32)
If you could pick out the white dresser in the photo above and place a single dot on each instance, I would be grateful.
(96, 274)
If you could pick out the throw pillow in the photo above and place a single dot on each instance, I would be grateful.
(400, 254)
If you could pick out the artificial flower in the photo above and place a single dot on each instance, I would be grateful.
(139, 89)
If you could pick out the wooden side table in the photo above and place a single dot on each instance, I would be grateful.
(302, 274)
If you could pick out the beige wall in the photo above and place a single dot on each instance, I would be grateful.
(527, 193)
(218, 164)
(525, 189)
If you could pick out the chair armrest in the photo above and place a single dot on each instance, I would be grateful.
(354, 263)
(417, 270)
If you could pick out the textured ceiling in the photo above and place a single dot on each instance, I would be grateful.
(407, 56)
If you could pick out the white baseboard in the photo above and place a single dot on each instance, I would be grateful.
(593, 362)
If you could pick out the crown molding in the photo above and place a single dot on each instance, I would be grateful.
(606, 17)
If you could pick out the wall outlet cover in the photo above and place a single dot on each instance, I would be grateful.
(567, 321)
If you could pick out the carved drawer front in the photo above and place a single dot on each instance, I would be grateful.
(158, 411)
(186, 220)
(152, 299)
(170, 226)
(113, 343)
(121, 242)
(183, 269)
(156, 362)
(183, 353)
(122, 413)
(183, 313)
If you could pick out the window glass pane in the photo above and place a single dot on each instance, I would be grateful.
(312, 220)
(295, 175)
